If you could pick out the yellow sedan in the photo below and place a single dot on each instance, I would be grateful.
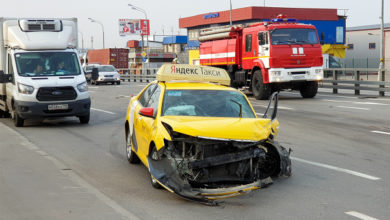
(200, 138)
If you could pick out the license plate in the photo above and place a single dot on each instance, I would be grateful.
(299, 77)
(57, 107)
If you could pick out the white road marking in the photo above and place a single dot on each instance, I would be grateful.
(74, 177)
(358, 103)
(366, 109)
(99, 110)
(336, 169)
(360, 215)
(279, 107)
(380, 132)
(92, 87)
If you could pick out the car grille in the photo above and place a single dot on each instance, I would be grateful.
(56, 93)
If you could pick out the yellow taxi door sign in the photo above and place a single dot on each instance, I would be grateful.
(171, 72)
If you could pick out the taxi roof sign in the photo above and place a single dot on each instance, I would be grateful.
(172, 72)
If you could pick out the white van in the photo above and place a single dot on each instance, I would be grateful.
(40, 71)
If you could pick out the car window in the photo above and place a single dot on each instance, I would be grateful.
(144, 98)
(153, 101)
(206, 103)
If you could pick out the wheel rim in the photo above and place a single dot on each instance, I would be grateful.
(128, 145)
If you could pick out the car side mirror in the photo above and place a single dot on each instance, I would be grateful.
(147, 112)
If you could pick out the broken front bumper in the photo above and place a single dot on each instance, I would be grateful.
(220, 175)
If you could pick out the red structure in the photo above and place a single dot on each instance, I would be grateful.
(257, 14)
(118, 57)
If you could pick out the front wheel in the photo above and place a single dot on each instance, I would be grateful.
(309, 89)
(259, 89)
(18, 121)
(84, 119)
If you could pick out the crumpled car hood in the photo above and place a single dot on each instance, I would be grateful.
(250, 129)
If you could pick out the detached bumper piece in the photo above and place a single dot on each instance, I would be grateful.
(207, 170)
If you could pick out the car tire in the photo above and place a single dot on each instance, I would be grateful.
(130, 154)
(84, 119)
(309, 89)
(260, 90)
(118, 83)
(18, 121)
(154, 156)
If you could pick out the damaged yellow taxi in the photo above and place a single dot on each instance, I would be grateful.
(200, 138)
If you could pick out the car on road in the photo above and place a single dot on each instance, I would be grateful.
(106, 74)
(200, 138)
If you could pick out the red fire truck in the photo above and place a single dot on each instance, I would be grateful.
(266, 57)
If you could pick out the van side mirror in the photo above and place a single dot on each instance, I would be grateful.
(5, 78)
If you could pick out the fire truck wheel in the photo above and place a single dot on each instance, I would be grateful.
(259, 89)
(309, 89)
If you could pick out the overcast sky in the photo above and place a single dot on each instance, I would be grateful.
(164, 14)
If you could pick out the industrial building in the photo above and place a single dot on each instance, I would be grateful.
(331, 26)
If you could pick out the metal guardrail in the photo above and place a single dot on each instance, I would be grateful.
(355, 83)
(138, 75)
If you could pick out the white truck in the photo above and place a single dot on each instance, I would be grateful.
(40, 71)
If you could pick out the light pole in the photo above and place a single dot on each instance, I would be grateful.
(101, 24)
(231, 13)
(147, 30)
(381, 76)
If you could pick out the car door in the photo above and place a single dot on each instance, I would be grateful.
(148, 124)
(137, 136)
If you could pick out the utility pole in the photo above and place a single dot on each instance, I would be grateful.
(231, 13)
(92, 42)
(381, 76)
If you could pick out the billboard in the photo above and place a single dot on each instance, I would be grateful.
(134, 27)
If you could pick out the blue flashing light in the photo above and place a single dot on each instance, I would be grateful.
(284, 20)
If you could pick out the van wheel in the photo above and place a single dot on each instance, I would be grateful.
(259, 89)
(84, 119)
(309, 89)
(118, 83)
(130, 154)
(18, 121)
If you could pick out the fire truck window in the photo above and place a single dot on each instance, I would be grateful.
(248, 43)
(263, 38)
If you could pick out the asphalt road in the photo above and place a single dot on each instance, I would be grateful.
(341, 151)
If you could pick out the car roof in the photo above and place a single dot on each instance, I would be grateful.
(195, 86)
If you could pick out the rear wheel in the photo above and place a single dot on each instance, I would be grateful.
(259, 89)
(309, 89)
(118, 83)
(130, 154)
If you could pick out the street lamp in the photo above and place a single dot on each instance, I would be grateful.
(147, 30)
(82, 40)
(93, 20)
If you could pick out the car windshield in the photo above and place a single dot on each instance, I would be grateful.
(294, 36)
(206, 103)
(106, 69)
(47, 64)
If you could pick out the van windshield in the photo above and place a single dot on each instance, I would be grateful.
(47, 64)
(294, 36)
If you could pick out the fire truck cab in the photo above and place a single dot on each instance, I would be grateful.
(266, 57)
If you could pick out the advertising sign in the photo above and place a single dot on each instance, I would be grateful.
(133, 27)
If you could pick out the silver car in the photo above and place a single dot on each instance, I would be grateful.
(106, 74)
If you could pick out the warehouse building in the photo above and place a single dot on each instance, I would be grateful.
(331, 26)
